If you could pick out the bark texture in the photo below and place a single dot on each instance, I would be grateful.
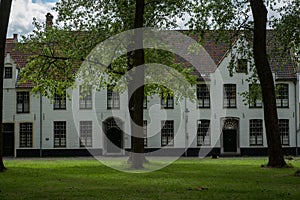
(136, 91)
(267, 84)
(5, 6)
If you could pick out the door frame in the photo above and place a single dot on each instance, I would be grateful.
(120, 125)
(14, 138)
(230, 123)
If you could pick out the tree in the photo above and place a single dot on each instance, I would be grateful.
(235, 16)
(136, 101)
(60, 51)
(264, 72)
(287, 30)
(5, 6)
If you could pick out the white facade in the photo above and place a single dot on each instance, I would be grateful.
(226, 124)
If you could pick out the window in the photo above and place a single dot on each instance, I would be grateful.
(85, 100)
(284, 131)
(86, 128)
(22, 102)
(229, 96)
(242, 66)
(145, 102)
(167, 102)
(282, 96)
(167, 133)
(203, 132)
(25, 134)
(255, 93)
(203, 96)
(145, 132)
(59, 102)
(60, 136)
(113, 99)
(256, 131)
(7, 72)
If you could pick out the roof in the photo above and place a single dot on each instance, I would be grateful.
(284, 69)
(19, 58)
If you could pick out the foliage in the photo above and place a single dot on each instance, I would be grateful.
(233, 20)
(58, 51)
(288, 33)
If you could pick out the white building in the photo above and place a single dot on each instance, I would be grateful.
(219, 123)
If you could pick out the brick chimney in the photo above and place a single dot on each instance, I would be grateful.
(15, 37)
(49, 20)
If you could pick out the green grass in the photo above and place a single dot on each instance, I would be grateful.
(72, 178)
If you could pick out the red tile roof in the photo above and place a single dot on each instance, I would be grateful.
(215, 48)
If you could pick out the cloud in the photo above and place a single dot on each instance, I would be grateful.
(23, 12)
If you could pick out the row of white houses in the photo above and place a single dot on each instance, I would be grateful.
(219, 123)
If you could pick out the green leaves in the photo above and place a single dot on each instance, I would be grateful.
(59, 51)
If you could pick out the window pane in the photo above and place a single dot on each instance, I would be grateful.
(167, 133)
(203, 132)
(86, 133)
(26, 134)
(23, 102)
(113, 99)
(242, 66)
(282, 95)
(60, 134)
(203, 96)
(7, 72)
(85, 100)
(284, 131)
(256, 131)
(229, 94)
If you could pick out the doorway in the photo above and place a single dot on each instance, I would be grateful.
(113, 136)
(230, 136)
(229, 141)
(8, 139)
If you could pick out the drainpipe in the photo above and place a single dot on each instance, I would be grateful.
(41, 125)
(185, 126)
(296, 115)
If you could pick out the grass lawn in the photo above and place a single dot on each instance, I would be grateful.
(192, 178)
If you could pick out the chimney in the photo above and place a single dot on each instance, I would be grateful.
(15, 37)
(49, 20)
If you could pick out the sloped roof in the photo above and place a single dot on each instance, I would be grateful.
(284, 69)
(282, 63)
(19, 58)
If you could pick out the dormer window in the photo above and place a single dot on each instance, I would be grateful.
(8, 72)
(242, 66)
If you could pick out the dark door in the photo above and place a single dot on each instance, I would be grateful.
(114, 140)
(8, 139)
(229, 140)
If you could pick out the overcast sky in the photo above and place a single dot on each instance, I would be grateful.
(23, 12)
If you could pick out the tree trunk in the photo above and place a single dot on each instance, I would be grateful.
(136, 92)
(267, 84)
(5, 6)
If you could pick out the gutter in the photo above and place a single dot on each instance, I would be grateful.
(296, 115)
(185, 127)
(41, 125)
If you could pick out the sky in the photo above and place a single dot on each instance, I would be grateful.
(23, 12)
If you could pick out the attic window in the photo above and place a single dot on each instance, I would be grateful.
(241, 66)
(7, 72)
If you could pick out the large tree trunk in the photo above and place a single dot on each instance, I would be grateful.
(136, 94)
(5, 6)
(267, 84)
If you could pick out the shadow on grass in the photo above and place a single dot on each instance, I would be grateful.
(184, 179)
